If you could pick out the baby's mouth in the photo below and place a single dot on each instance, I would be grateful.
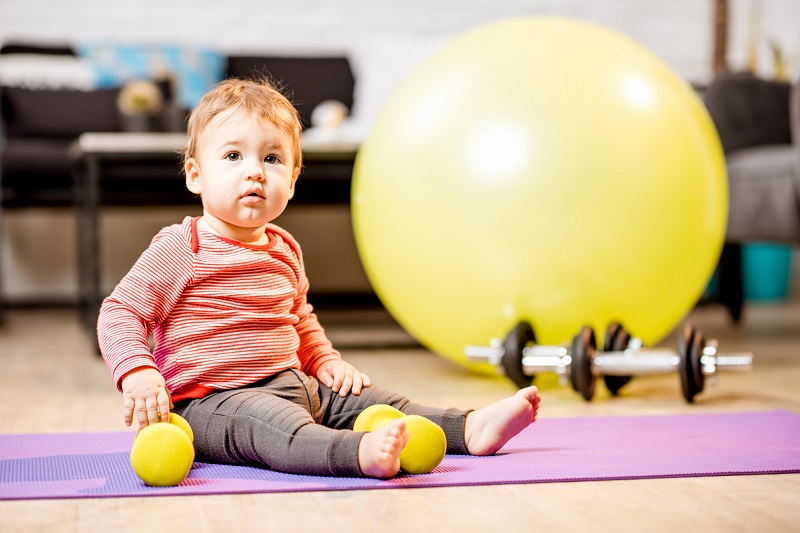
(253, 196)
(253, 193)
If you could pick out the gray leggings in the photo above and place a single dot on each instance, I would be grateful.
(292, 423)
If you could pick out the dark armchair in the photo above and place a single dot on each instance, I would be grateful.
(759, 125)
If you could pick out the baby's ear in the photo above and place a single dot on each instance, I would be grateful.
(295, 175)
(192, 171)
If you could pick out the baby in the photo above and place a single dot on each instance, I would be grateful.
(239, 351)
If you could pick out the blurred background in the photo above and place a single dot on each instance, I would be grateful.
(93, 45)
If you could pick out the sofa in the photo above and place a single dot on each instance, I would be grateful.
(39, 124)
(758, 121)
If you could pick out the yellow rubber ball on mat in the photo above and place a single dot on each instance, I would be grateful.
(376, 416)
(181, 422)
(163, 453)
(539, 169)
(427, 443)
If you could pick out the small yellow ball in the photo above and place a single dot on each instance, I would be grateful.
(178, 421)
(181, 422)
(427, 443)
(426, 446)
(162, 454)
(376, 416)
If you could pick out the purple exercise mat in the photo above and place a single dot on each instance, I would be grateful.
(86, 465)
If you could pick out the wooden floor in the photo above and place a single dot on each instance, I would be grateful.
(52, 381)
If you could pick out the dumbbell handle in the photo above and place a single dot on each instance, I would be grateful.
(726, 362)
(633, 363)
(535, 359)
(637, 362)
(485, 354)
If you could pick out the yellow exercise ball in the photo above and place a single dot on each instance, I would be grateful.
(539, 169)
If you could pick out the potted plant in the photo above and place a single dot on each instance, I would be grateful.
(140, 102)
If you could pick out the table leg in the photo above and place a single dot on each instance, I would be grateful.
(89, 241)
(2, 240)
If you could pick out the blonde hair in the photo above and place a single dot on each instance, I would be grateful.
(258, 96)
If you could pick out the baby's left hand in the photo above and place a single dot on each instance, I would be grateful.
(342, 377)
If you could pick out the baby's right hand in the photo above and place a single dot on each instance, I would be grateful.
(145, 393)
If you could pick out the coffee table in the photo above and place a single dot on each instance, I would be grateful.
(144, 169)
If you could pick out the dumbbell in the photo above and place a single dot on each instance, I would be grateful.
(520, 357)
(695, 360)
(622, 358)
(617, 339)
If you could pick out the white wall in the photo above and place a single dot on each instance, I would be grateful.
(384, 38)
(677, 30)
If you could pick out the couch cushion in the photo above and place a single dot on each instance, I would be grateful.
(749, 111)
(34, 155)
(764, 188)
(59, 113)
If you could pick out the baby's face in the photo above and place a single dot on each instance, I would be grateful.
(244, 171)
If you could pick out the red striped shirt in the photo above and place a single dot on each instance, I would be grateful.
(223, 313)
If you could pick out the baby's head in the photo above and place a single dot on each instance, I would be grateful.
(257, 97)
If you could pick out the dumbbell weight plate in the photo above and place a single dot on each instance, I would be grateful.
(520, 336)
(616, 340)
(698, 344)
(685, 366)
(584, 347)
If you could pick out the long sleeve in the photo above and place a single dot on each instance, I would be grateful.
(143, 299)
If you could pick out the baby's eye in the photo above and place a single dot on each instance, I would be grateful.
(272, 159)
(232, 156)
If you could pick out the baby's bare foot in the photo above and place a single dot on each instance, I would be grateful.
(379, 450)
(489, 429)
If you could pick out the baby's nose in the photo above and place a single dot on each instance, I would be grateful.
(255, 172)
